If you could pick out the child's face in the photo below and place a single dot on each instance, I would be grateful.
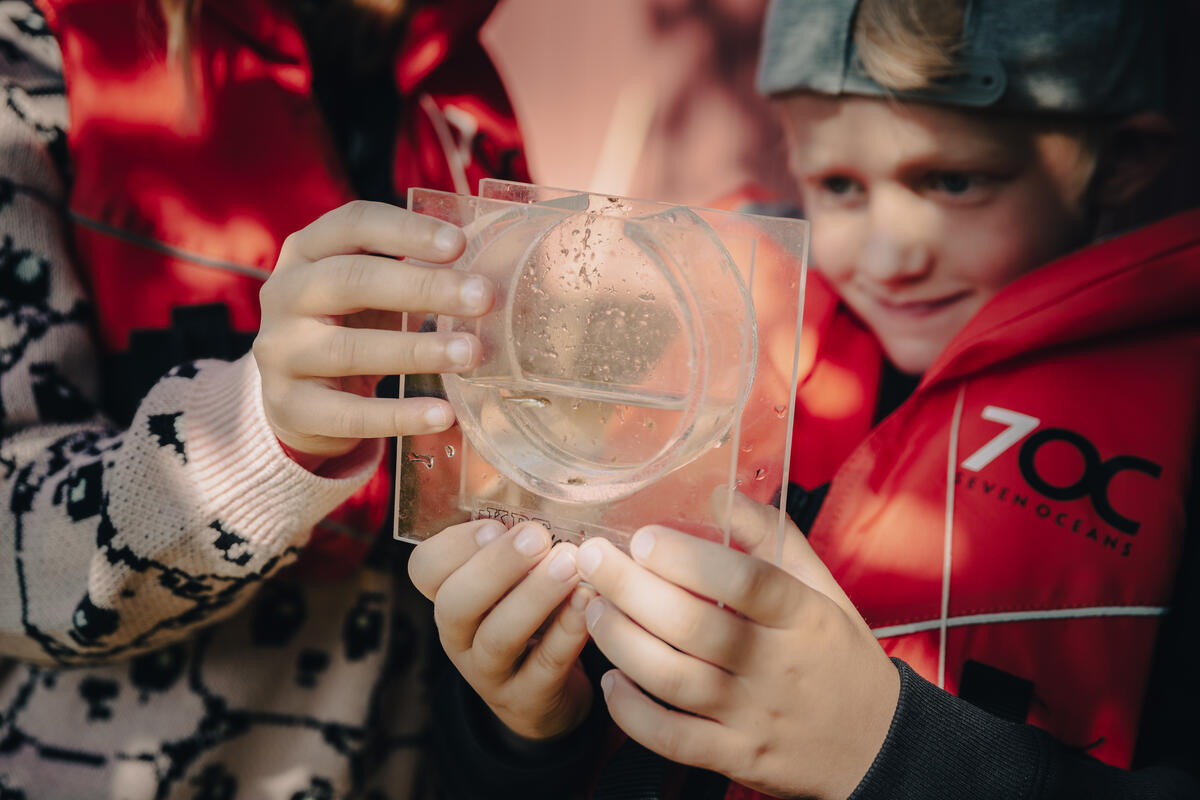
(920, 214)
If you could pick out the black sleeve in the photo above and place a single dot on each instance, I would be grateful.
(478, 759)
(941, 746)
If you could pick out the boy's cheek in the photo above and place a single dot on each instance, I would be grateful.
(833, 249)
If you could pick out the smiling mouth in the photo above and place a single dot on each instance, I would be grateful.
(919, 308)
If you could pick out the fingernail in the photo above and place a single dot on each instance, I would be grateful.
(606, 683)
(530, 540)
(589, 559)
(562, 566)
(447, 238)
(488, 532)
(593, 611)
(437, 417)
(579, 599)
(458, 350)
(641, 544)
(472, 292)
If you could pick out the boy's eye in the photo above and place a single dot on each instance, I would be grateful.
(952, 182)
(839, 184)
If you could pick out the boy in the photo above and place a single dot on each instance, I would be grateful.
(1002, 414)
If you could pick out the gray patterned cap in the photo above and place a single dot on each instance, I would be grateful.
(1048, 56)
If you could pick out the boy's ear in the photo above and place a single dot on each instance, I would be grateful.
(1134, 153)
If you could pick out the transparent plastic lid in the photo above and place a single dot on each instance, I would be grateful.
(638, 357)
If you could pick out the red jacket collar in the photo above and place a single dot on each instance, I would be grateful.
(266, 25)
(1144, 279)
(434, 31)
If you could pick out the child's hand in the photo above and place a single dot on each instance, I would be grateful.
(493, 591)
(793, 696)
(330, 326)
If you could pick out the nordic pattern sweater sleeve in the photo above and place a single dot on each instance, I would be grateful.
(114, 542)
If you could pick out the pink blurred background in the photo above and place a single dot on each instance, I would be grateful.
(645, 98)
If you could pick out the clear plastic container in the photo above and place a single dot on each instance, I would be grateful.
(640, 365)
(611, 357)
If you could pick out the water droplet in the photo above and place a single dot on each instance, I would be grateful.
(746, 448)
(418, 458)
(759, 474)
(781, 411)
(646, 297)
(449, 451)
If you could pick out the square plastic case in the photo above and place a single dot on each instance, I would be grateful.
(640, 365)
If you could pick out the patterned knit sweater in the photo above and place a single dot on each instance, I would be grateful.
(149, 645)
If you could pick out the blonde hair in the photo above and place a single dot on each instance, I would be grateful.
(907, 45)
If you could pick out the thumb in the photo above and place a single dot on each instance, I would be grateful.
(766, 533)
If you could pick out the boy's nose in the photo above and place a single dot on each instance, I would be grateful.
(885, 259)
(897, 249)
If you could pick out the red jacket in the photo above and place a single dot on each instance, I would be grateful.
(173, 209)
(1033, 486)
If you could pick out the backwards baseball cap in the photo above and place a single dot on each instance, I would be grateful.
(1062, 56)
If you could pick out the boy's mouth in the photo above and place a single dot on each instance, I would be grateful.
(919, 307)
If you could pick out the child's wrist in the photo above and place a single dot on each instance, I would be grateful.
(309, 461)
(326, 466)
